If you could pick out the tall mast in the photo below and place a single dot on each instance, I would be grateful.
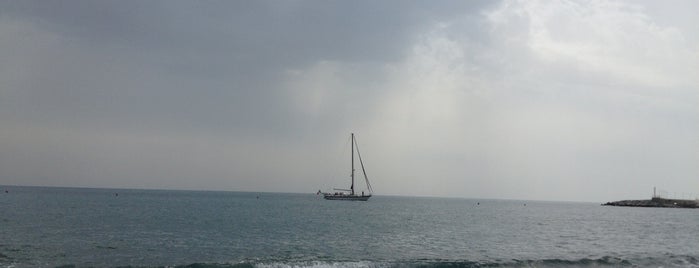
(352, 186)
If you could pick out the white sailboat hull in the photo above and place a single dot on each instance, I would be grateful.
(346, 197)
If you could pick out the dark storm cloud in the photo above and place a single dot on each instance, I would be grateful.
(253, 33)
(206, 64)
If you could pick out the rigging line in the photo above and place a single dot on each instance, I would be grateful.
(368, 185)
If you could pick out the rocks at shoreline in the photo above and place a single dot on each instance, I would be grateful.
(656, 202)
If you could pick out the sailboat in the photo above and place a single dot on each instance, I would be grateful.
(350, 194)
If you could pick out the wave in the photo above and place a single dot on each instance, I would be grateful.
(607, 261)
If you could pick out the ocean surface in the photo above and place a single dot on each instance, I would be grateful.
(69, 227)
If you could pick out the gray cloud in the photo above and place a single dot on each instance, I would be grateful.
(198, 62)
(558, 100)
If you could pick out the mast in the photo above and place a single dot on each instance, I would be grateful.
(352, 186)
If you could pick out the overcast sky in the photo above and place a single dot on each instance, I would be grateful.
(552, 100)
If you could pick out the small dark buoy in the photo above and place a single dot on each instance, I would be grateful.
(258, 197)
(116, 194)
(479, 203)
(525, 204)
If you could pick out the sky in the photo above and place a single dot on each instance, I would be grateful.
(534, 100)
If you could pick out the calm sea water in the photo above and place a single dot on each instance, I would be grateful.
(49, 227)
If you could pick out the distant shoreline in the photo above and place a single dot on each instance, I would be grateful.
(656, 202)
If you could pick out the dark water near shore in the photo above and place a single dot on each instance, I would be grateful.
(49, 227)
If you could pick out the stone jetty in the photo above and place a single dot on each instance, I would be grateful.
(656, 202)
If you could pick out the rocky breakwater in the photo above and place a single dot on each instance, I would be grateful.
(656, 202)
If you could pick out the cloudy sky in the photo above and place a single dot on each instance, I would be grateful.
(552, 100)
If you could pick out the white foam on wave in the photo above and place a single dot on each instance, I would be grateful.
(322, 264)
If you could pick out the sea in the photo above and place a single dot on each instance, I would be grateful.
(78, 227)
